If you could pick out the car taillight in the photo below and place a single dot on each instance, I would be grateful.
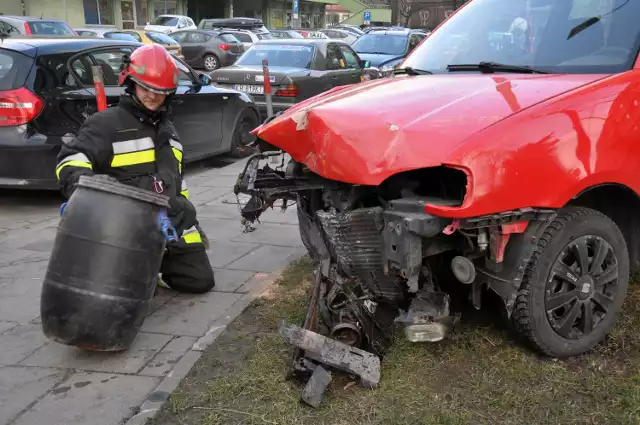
(18, 107)
(288, 91)
(27, 28)
(224, 46)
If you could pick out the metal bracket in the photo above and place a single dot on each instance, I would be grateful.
(334, 353)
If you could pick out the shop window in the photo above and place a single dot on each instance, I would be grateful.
(165, 7)
(98, 12)
(142, 12)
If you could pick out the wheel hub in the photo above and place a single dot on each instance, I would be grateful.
(586, 286)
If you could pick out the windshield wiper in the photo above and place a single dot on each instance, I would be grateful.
(411, 71)
(491, 67)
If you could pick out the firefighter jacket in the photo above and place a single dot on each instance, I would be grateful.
(135, 146)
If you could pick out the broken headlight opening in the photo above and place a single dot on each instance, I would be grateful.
(382, 262)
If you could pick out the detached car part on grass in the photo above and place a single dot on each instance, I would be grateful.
(420, 193)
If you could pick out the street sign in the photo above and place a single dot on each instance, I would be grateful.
(367, 17)
(295, 9)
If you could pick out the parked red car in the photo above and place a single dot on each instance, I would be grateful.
(504, 154)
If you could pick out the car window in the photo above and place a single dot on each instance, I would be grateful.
(569, 36)
(229, 38)
(184, 78)
(166, 21)
(350, 57)
(119, 36)
(82, 33)
(334, 57)
(264, 36)
(381, 44)
(50, 28)
(245, 38)
(196, 37)
(14, 68)
(414, 40)
(160, 38)
(110, 61)
(7, 28)
(135, 35)
(182, 22)
(190, 22)
(179, 36)
(278, 55)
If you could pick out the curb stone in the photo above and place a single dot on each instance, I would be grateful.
(161, 394)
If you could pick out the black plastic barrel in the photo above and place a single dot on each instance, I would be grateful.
(104, 266)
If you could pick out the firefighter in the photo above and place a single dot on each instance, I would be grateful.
(136, 144)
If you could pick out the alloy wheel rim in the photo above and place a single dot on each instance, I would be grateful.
(210, 62)
(580, 290)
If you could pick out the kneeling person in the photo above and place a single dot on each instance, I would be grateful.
(136, 144)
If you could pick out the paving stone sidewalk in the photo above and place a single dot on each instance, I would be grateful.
(42, 382)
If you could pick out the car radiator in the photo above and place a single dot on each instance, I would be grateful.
(355, 237)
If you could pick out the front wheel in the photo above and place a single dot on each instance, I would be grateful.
(242, 136)
(574, 284)
(211, 63)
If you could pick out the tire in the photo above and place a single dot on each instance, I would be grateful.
(554, 301)
(242, 135)
(210, 62)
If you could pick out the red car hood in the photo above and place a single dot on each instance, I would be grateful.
(365, 133)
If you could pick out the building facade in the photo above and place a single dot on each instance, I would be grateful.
(128, 14)
(124, 14)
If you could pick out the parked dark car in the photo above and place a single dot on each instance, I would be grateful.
(16, 26)
(386, 49)
(286, 34)
(208, 50)
(252, 24)
(298, 70)
(46, 92)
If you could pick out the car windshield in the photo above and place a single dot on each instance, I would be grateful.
(119, 36)
(166, 21)
(288, 55)
(382, 44)
(557, 36)
(50, 28)
(14, 69)
(160, 38)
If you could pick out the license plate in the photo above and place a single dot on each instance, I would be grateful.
(249, 88)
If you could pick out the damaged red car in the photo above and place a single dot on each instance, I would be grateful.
(503, 156)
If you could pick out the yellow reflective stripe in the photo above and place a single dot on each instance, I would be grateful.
(133, 158)
(76, 163)
(192, 238)
(185, 193)
(177, 153)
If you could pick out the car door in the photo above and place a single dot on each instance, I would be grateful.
(190, 50)
(79, 78)
(197, 115)
(337, 71)
(354, 67)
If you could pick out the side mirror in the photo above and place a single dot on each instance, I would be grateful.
(204, 79)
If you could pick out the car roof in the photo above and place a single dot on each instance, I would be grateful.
(172, 16)
(30, 18)
(52, 45)
(389, 32)
(302, 41)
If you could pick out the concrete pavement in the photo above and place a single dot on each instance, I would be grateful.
(42, 382)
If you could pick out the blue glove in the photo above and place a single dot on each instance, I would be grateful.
(166, 227)
(62, 207)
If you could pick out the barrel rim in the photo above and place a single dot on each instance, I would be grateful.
(121, 189)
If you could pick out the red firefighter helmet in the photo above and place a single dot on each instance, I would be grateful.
(152, 67)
